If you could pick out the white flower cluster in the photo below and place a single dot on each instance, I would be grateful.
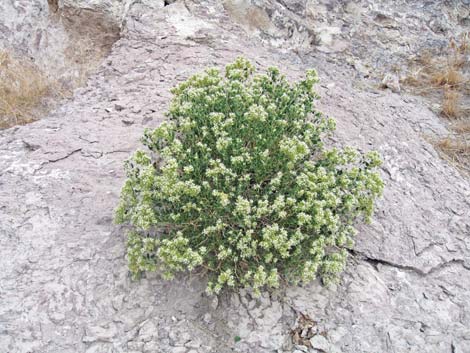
(229, 184)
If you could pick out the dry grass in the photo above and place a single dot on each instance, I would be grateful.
(26, 93)
(460, 146)
(462, 126)
(445, 77)
(460, 50)
(457, 150)
(451, 104)
(22, 90)
(450, 76)
(431, 73)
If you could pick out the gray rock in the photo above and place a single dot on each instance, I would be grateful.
(391, 81)
(100, 333)
(214, 303)
(178, 350)
(207, 318)
(65, 283)
(148, 331)
(320, 343)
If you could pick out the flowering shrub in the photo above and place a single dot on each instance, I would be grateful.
(238, 181)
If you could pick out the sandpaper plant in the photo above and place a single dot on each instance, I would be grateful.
(238, 182)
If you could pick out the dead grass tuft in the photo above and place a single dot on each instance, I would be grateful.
(27, 93)
(451, 104)
(431, 72)
(457, 150)
(445, 77)
(449, 76)
(455, 146)
(22, 90)
(462, 126)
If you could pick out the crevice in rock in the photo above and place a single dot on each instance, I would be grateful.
(418, 271)
(375, 262)
(64, 157)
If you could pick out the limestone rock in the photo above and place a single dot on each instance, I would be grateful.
(320, 343)
(64, 281)
(391, 81)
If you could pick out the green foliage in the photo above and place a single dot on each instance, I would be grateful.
(238, 181)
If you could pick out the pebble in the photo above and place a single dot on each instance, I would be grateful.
(391, 81)
(320, 342)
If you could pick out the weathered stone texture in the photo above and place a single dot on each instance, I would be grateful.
(64, 285)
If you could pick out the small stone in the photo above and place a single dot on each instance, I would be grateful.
(184, 338)
(319, 342)
(194, 343)
(436, 108)
(300, 348)
(94, 349)
(99, 333)
(118, 300)
(391, 81)
(128, 121)
(457, 348)
(135, 346)
(148, 331)
(214, 303)
(337, 334)
(361, 68)
(353, 9)
(207, 318)
(251, 304)
(235, 300)
(173, 336)
(151, 346)
(325, 36)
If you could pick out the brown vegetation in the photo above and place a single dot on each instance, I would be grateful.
(451, 104)
(27, 93)
(445, 77)
(462, 126)
(23, 88)
(450, 76)
(457, 150)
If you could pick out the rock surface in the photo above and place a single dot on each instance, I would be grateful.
(64, 285)
(65, 39)
(375, 37)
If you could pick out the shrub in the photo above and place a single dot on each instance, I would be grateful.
(238, 181)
